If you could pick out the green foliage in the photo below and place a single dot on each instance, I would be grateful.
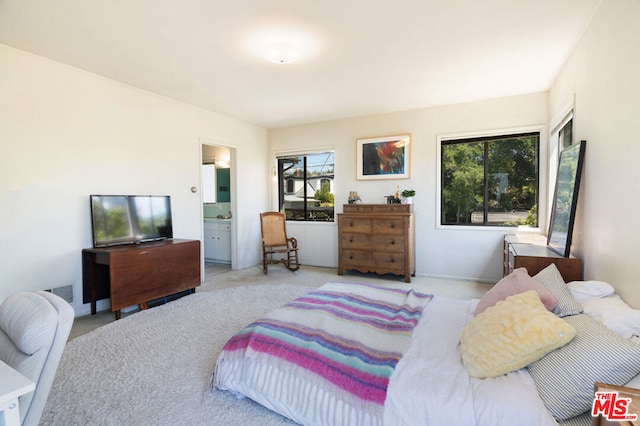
(323, 195)
(497, 176)
(532, 218)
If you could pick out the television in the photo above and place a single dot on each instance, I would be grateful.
(130, 219)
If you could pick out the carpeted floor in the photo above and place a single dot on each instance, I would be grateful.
(152, 367)
(217, 278)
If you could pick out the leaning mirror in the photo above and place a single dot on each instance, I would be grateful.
(565, 199)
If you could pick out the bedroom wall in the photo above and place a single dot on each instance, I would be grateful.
(66, 133)
(602, 77)
(461, 253)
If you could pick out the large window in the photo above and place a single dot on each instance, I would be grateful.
(306, 189)
(490, 181)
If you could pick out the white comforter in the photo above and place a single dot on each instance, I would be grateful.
(430, 385)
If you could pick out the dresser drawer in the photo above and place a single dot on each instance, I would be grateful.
(392, 208)
(372, 261)
(373, 242)
(357, 208)
(391, 226)
(355, 224)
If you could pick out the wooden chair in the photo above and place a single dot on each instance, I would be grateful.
(276, 242)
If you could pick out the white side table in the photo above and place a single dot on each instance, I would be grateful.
(12, 386)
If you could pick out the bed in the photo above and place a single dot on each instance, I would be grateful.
(361, 354)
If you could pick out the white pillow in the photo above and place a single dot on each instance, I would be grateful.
(615, 314)
(587, 290)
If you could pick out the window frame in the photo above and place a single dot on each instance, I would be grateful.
(542, 176)
(279, 181)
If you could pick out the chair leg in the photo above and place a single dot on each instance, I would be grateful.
(265, 263)
(292, 259)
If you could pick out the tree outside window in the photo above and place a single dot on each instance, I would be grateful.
(490, 181)
(306, 186)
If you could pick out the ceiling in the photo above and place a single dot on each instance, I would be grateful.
(360, 57)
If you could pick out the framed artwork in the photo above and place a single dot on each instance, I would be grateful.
(385, 157)
(565, 200)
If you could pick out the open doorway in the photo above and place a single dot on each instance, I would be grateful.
(217, 209)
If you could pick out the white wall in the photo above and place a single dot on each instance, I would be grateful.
(603, 76)
(66, 133)
(475, 254)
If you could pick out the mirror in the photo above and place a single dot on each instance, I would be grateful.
(216, 183)
(565, 199)
(208, 183)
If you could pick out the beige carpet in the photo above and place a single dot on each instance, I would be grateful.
(152, 367)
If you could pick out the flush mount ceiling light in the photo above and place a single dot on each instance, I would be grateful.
(282, 46)
(281, 52)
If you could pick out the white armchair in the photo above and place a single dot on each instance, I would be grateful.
(34, 328)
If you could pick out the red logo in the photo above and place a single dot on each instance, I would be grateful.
(612, 407)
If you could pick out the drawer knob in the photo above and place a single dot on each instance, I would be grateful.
(351, 257)
(393, 260)
(393, 225)
(393, 242)
(350, 240)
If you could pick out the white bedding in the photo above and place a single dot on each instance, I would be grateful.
(429, 386)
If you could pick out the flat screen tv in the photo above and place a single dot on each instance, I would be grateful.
(130, 219)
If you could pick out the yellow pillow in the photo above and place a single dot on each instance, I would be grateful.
(511, 335)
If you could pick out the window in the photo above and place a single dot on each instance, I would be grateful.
(490, 181)
(565, 135)
(306, 186)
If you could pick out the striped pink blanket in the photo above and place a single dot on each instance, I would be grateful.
(342, 340)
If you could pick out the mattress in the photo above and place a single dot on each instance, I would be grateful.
(427, 384)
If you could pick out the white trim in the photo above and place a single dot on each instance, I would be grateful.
(303, 151)
(566, 113)
(234, 200)
(540, 128)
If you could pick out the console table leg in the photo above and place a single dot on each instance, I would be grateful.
(89, 262)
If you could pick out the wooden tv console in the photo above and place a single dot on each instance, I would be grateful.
(138, 273)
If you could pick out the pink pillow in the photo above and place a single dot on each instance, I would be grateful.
(516, 282)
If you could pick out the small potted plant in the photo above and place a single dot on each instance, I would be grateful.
(407, 196)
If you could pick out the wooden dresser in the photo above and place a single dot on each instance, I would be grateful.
(377, 238)
(531, 251)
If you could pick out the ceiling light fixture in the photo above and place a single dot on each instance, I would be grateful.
(281, 52)
(282, 46)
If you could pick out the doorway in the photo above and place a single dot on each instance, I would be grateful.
(218, 205)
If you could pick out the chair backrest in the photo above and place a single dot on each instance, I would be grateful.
(34, 328)
(274, 232)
